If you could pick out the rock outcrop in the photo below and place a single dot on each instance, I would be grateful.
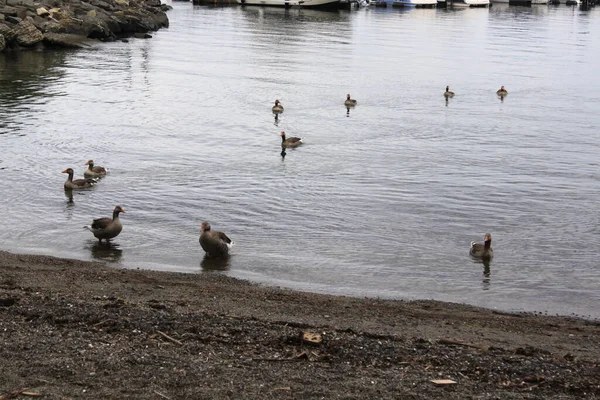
(70, 23)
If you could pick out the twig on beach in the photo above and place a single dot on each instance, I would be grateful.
(170, 338)
(17, 393)
(459, 343)
(162, 395)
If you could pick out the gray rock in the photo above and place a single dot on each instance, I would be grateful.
(102, 4)
(1, 17)
(7, 10)
(2, 42)
(26, 3)
(12, 20)
(27, 34)
(42, 11)
(66, 40)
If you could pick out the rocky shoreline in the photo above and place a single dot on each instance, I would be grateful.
(26, 24)
(74, 329)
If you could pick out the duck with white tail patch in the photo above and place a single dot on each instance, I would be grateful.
(106, 228)
(483, 250)
(214, 243)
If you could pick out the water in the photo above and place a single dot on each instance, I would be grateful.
(381, 201)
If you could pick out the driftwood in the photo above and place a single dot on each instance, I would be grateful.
(17, 393)
(169, 338)
(459, 343)
(162, 395)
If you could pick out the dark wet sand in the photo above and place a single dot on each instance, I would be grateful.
(75, 329)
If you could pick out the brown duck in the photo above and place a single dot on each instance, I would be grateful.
(349, 101)
(214, 243)
(502, 91)
(291, 141)
(106, 228)
(77, 183)
(482, 250)
(277, 108)
(448, 92)
(94, 171)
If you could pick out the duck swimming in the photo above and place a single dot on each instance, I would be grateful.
(483, 250)
(349, 101)
(448, 92)
(502, 91)
(277, 108)
(214, 243)
(291, 141)
(77, 183)
(106, 228)
(94, 171)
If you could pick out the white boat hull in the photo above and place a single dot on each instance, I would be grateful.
(290, 3)
(470, 3)
(415, 3)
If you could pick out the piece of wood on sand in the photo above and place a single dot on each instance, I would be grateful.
(311, 338)
(443, 381)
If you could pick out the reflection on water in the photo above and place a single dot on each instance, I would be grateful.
(486, 275)
(105, 251)
(215, 263)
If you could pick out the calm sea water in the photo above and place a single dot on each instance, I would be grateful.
(382, 200)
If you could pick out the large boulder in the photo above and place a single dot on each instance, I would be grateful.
(66, 40)
(7, 32)
(27, 34)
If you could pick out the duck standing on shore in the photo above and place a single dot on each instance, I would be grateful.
(106, 228)
(277, 108)
(94, 171)
(71, 184)
(349, 101)
(214, 243)
(483, 250)
(448, 92)
(290, 142)
(502, 91)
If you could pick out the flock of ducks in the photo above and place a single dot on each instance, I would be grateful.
(216, 243)
(500, 92)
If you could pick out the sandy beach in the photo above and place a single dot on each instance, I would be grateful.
(75, 329)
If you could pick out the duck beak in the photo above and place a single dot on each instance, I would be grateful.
(64, 172)
(87, 163)
(123, 211)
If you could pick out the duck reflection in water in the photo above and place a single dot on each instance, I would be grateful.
(220, 263)
(69, 196)
(501, 97)
(486, 275)
(106, 251)
(283, 153)
(348, 111)
(276, 121)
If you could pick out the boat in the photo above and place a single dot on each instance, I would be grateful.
(414, 3)
(468, 3)
(291, 3)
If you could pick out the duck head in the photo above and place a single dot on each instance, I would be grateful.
(282, 134)
(487, 240)
(68, 171)
(90, 163)
(277, 102)
(447, 88)
(348, 96)
(119, 209)
(205, 227)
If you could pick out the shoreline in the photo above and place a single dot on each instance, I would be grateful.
(74, 327)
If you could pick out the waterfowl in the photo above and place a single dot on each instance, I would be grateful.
(502, 91)
(291, 141)
(277, 108)
(106, 228)
(93, 171)
(349, 101)
(448, 92)
(77, 183)
(214, 243)
(482, 250)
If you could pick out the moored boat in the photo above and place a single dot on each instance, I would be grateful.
(468, 3)
(291, 3)
(414, 3)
